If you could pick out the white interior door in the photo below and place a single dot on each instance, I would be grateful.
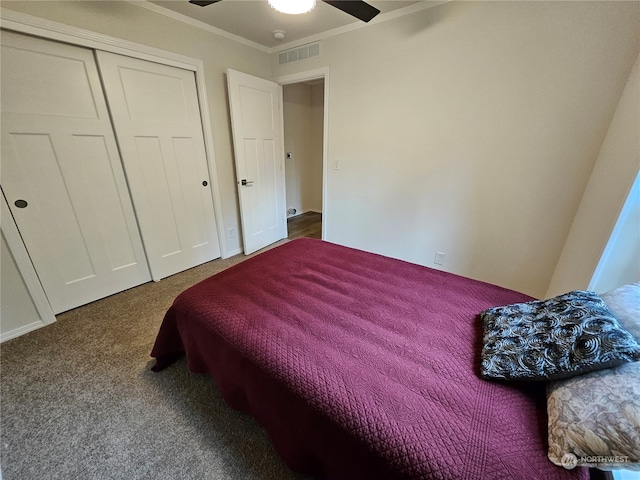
(256, 120)
(157, 121)
(62, 176)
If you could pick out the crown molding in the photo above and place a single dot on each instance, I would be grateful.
(42, 27)
(383, 17)
(197, 23)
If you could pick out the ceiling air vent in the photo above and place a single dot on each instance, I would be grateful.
(299, 53)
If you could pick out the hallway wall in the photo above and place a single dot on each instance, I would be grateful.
(303, 128)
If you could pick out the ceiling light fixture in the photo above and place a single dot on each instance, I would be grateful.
(293, 7)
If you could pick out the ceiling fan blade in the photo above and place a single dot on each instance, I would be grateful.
(361, 10)
(203, 3)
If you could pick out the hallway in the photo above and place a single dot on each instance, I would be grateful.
(305, 225)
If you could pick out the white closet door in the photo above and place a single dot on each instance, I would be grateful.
(157, 122)
(62, 176)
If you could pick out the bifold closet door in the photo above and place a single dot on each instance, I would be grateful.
(62, 176)
(156, 117)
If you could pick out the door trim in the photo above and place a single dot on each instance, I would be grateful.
(315, 74)
(28, 273)
(28, 24)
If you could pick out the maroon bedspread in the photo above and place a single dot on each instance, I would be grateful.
(361, 366)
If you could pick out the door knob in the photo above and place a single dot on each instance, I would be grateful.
(20, 203)
(246, 182)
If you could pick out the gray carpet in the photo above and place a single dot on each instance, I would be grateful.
(78, 400)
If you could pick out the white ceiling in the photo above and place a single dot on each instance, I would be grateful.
(255, 20)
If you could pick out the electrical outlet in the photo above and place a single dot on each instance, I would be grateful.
(232, 232)
(439, 258)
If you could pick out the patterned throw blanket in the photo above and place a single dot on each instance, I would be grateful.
(362, 366)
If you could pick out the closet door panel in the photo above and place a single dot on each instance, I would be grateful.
(60, 158)
(152, 176)
(156, 115)
(33, 170)
(195, 206)
(59, 82)
(95, 183)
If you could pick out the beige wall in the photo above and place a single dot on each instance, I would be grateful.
(617, 166)
(296, 105)
(314, 195)
(472, 128)
(303, 125)
(126, 21)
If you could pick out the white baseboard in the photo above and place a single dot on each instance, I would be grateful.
(231, 253)
(16, 332)
(311, 210)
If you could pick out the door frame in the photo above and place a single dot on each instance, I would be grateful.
(608, 251)
(315, 74)
(48, 29)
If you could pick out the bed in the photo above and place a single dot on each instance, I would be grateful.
(360, 366)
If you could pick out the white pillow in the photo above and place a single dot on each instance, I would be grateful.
(624, 303)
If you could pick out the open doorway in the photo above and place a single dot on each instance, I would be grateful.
(303, 111)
